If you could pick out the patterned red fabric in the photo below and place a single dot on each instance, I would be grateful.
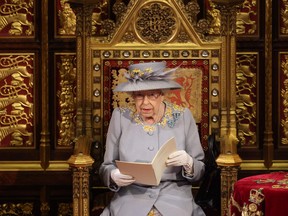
(265, 194)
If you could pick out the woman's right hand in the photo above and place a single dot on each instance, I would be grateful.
(121, 179)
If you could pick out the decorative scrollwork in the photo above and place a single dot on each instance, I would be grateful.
(284, 99)
(16, 116)
(284, 17)
(246, 23)
(246, 94)
(25, 209)
(67, 99)
(156, 23)
(16, 16)
(192, 8)
(119, 9)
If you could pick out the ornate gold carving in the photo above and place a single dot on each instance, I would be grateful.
(65, 209)
(228, 178)
(76, 184)
(15, 15)
(67, 19)
(228, 20)
(192, 9)
(246, 95)
(245, 23)
(214, 17)
(80, 163)
(108, 27)
(97, 16)
(119, 9)
(284, 17)
(16, 107)
(84, 15)
(245, 17)
(128, 37)
(16, 209)
(67, 99)
(284, 99)
(156, 23)
(45, 208)
(183, 37)
(202, 26)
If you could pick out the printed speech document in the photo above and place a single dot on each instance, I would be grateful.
(149, 173)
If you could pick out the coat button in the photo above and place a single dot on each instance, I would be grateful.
(151, 148)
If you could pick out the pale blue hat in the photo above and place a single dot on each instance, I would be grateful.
(148, 76)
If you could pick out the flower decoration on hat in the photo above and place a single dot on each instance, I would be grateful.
(137, 74)
(148, 76)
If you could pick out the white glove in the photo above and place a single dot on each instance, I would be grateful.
(121, 179)
(179, 158)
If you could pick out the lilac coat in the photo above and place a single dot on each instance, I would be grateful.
(128, 141)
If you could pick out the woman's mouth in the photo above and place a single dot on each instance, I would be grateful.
(145, 110)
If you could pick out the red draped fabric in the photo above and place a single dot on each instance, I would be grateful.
(265, 194)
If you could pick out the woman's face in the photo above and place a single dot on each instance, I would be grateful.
(148, 103)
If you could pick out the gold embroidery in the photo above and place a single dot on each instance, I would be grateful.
(263, 181)
(256, 196)
(280, 186)
(252, 207)
(234, 203)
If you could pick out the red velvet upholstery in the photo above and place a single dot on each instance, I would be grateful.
(261, 194)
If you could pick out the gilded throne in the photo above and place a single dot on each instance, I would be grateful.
(145, 31)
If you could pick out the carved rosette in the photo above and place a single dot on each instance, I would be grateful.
(156, 23)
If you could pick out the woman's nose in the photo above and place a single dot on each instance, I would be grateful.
(145, 99)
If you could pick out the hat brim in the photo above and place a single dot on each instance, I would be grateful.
(147, 85)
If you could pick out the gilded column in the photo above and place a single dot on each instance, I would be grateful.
(80, 163)
(228, 160)
(83, 9)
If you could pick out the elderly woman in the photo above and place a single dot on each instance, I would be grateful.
(137, 133)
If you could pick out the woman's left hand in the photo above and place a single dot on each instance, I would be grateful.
(179, 158)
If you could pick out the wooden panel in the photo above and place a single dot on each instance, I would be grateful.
(17, 19)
